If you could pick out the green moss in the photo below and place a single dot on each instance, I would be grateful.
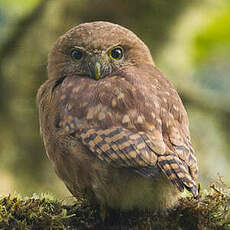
(32, 213)
(211, 210)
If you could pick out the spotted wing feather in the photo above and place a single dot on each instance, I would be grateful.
(123, 148)
(177, 171)
(177, 166)
(118, 146)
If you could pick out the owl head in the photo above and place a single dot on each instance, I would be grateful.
(96, 50)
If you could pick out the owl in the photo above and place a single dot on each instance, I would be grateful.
(113, 126)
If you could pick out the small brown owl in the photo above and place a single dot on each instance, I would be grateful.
(114, 127)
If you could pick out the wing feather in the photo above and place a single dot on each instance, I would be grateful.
(123, 148)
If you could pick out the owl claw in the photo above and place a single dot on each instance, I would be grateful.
(194, 191)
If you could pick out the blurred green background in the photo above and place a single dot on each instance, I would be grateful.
(189, 41)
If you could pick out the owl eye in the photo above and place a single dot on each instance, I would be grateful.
(76, 54)
(116, 53)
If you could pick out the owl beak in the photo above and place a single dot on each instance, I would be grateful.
(96, 68)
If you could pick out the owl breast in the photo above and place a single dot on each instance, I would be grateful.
(111, 101)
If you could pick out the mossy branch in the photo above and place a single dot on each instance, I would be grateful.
(211, 210)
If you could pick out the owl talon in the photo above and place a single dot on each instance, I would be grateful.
(194, 191)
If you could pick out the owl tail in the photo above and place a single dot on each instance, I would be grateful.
(177, 172)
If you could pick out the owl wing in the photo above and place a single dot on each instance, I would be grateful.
(141, 152)
(118, 146)
(177, 163)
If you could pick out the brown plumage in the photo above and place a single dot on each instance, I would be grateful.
(113, 126)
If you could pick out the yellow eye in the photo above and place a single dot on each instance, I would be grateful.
(116, 53)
